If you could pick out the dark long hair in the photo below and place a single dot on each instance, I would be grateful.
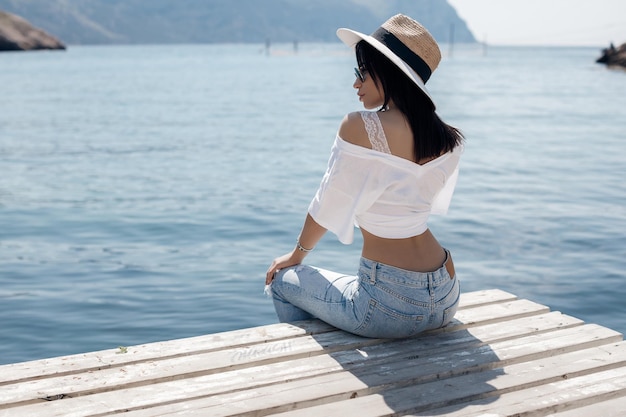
(431, 136)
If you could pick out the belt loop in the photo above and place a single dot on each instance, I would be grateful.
(373, 272)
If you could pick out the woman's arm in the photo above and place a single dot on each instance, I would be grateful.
(309, 236)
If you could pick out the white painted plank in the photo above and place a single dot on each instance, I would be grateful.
(483, 386)
(485, 297)
(157, 351)
(610, 408)
(387, 403)
(178, 367)
(341, 386)
(572, 393)
(188, 346)
(558, 342)
(186, 386)
(494, 313)
(347, 359)
(466, 339)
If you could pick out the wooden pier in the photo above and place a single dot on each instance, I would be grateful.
(501, 356)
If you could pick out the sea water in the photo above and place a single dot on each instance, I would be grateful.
(144, 190)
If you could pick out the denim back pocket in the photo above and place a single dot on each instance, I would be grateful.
(384, 322)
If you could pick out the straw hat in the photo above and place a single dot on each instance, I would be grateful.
(406, 43)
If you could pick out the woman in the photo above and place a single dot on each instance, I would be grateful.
(388, 170)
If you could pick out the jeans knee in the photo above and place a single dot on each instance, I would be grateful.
(277, 286)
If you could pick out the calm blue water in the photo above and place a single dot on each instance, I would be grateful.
(144, 190)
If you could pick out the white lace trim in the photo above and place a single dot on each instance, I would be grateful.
(375, 131)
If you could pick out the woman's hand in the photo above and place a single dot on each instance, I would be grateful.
(313, 233)
(292, 258)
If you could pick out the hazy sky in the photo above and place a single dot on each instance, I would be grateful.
(545, 22)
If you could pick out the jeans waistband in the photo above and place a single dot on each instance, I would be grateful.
(373, 271)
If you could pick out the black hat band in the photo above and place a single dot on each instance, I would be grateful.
(402, 51)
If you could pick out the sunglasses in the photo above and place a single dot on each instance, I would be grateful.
(360, 73)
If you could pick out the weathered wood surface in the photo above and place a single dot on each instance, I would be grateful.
(501, 356)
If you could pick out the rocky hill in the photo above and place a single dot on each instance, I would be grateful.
(212, 21)
(16, 34)
(613, 56)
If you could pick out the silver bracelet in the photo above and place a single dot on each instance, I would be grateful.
(302, 248)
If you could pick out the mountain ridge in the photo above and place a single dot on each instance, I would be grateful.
(220, 21)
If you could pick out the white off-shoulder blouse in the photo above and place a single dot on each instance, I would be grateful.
(389, 196)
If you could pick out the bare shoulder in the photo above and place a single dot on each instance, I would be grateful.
(352, 129)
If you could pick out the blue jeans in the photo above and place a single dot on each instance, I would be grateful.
(382, 301)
